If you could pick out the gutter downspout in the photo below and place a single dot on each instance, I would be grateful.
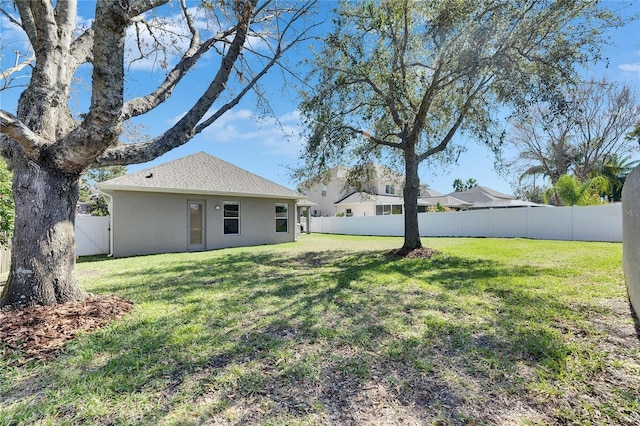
(109, 198)
(296, 217)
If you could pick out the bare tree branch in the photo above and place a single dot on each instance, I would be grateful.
(191, 124)
(19, 66)
(182, 131)
(81, 49)
(10, 17)
(27, 21)
(31, 142)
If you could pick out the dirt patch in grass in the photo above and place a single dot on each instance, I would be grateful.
(422, 253)
(39, 332)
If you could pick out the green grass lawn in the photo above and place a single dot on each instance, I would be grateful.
(331, 330)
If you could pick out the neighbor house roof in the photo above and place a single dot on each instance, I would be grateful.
(428, 193)
(480, 194)
(446, 201)
(363, 197)
(199, 173)
(378, 173)
(504, 204)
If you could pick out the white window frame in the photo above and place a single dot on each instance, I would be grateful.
(225, 217)
(280, 218)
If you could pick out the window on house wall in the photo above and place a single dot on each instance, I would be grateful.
(422, 209)
(383, 210)
(349, 212)
(388, 209)
(231, 220)
(282, 217)
(324, 190)
(389, 189)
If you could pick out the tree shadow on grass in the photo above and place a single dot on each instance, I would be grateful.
(318, 335)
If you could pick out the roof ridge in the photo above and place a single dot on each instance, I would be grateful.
(199, 172)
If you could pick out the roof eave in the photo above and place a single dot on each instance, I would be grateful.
(133, 188)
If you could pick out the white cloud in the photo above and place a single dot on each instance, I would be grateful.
(270, 135)
(635, 68)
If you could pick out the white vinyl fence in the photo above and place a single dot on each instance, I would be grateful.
(590, 223)
(5, 260)
(92, 237)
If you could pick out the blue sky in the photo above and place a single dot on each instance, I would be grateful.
(248, 139)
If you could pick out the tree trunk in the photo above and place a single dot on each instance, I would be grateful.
(43, 252)
(411, 193)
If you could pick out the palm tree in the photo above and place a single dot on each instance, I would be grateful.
(635, 133)
(569, 191)
(615, 170)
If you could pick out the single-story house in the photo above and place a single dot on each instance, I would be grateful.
(195, 203)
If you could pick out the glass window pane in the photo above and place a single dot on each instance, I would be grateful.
(231, 210)
(282, 225)
(231, 226)
(196, 221)
(231, 214)
(281, 210)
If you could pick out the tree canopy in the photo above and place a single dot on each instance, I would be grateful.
(589, 131)
(399, 79)
(459, 185)
(570, 191)
(89, 194)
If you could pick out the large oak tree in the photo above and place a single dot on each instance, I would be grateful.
(400, 78)
(48, 148)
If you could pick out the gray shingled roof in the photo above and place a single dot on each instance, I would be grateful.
(426, 193)
(480, 194)
(446, 201)
(363, 197)
(199, 173)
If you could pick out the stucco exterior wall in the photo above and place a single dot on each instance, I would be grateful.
(325, 204)
(149, 222)
(358, 209)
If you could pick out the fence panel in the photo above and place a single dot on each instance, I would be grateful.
(5, 260)
(591, 223)
(92, 235)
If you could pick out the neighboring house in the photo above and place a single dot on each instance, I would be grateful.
(430, 197)
(198, 202)
(364, 204)
(482, 197)
(381, 195)
(446, 201)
